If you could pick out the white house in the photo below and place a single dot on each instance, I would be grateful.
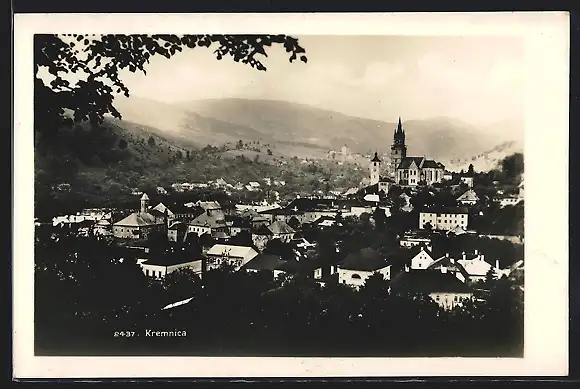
(444, 288)
(509, 201)
(410, 241)
(161, 190)
(357, 267)
(236, 256)
(444, 218)
(467, 180)
(160, 266)
(421, 257)
(476, 266)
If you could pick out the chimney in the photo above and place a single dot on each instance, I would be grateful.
(447, 255)
(443, 269)
(475, 251)
(451, 260)
(497, 263)
(463, 255)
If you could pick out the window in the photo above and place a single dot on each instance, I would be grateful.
(356, 276)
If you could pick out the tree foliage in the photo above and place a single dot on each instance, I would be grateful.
(85, 69)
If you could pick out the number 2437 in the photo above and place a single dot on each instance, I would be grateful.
(126, 334)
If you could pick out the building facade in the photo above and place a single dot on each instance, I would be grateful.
(445, 219)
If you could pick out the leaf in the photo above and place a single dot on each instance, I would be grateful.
(304, 59)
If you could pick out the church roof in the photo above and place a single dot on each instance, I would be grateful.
(376, 158)
(407, 161)
(431, 164)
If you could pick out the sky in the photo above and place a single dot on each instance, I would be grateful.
(475, 79)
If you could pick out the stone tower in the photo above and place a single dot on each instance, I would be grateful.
(144, 203)
(398, 149)
(375, 169)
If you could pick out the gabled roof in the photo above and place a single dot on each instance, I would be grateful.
(376, 158)
(138, 219)
(161, 208)
(475, 266)
(408, 161)
(366, 259)
(428, 281)
(231, 250)
(450, 264)
(280, 227)
(431, 164)
(214, 219)
(265, 262)
(469, 195)
(262, 230)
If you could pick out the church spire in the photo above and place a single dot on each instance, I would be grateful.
(400, 126)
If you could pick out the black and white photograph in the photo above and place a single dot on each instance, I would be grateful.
(285, 194)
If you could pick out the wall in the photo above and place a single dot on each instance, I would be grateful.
(127, 232)
(199, 230)
(449, 300)
(443, 221)
(421, 261)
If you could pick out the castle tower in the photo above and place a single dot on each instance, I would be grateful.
(375, 169)
(144, 203)
(398, 149)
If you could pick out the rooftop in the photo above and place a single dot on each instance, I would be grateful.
(265, 262)
(366, 259)
(230, 250)
(428, 281)
(139, 219)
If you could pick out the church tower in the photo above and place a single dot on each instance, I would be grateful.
(144, 203)
(398, 149)
(375, 168)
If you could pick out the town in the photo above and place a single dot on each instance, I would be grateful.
(449, 244)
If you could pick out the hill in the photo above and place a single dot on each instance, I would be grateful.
(304, 131)
(489, 159)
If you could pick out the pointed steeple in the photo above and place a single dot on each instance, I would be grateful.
(376, 158)
(400, 126)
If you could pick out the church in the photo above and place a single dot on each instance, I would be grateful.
(404, 170)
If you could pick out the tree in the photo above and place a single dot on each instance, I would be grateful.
(95, 61)
(151, 141)
(269, 152)
(122, 144)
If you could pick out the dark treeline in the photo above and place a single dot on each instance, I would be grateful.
(83, 295)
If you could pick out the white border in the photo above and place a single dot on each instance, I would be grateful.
(546, 157)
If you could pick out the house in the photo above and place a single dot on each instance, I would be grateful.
(326, 221)
(414, 240)
(209, 222)
(281, 230)
(254, 185)
(521, 189)
(237, 224)
(458, 230)
(467, 180)
(447, 176)
(159, 265)
(261, 235)
(468, 198)
(443, 218)
(357, 267)
(477, 267)
(448, 264)
(302, 243)
(139, 225)
(161, 190)
(421, 257)
(103, 228)
(445, 289)
(221, 182)
(508, 201)
(208, 205)
(236, 256)
(177, 232)
(325, 275)
(265, 263)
